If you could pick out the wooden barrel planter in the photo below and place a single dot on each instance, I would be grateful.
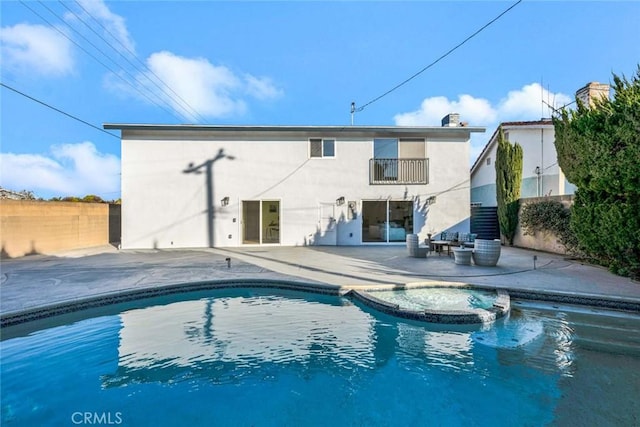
(486, 252)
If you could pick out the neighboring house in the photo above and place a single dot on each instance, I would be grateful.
(206, 186)
(16, 195)
(541, 175)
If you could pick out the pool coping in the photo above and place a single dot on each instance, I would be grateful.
(359, 293)
(123, 296)
(500, 308)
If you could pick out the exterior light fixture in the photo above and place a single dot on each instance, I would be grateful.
(340, 201)
(225, 201)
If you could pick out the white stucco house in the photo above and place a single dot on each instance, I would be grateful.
(541, 175)
(228, 186)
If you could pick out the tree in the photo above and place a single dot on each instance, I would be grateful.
(92, 198)
(508, 180)
(599, 151)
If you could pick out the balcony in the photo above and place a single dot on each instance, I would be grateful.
(398, 171)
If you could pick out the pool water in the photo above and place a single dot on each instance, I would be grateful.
(259, 358)
(438, 298)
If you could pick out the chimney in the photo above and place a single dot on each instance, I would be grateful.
(451, 120)
(592, 91)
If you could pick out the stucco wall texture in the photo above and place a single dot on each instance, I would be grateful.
(546, 242)
(37, 227)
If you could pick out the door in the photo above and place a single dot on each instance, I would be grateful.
(374, 219)
(270, 221)
(250, 222)
(327, 230)
(260, 221)
(386, 220)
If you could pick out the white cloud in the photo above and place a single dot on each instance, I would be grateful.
(197, 88)
(527, 103)
(204, 87)
(35, 49)
(524, 104)
(261, 87)
(432, 110)
(68, 170)
(114, 24)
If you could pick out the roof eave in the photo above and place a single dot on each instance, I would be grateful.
(258, 128)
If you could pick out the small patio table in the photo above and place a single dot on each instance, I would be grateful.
(462, 255)
(440, 244)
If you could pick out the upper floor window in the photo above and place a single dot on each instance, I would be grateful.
(399, 161)
(320, 147)
(385, 148)
(403, 148)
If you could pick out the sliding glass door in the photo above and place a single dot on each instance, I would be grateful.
(260, 221)
(386, 220)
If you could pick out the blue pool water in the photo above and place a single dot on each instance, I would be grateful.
(438, 298)
(270, 358)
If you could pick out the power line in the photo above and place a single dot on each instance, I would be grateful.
(450, 51)
(98, 60)
(137, 89)
(177, 99)
(58, 110)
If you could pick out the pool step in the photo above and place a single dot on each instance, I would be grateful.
(615, 338)
(510, 335)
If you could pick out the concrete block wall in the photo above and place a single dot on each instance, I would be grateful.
(546, 242)
(38, 227)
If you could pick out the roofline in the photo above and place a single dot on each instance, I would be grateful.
(534, 123)
(510, 125)
(286, 128)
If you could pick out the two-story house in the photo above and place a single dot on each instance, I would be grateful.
(208, 185)
(541, 175)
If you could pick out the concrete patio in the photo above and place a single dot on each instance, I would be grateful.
(42, 280)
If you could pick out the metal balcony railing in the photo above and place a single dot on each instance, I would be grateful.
(398, 171)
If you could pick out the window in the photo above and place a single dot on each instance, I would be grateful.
(398, 161)
(322, 147)
(385, 148)
(488, 161)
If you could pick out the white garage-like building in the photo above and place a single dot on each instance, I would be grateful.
(190, 186)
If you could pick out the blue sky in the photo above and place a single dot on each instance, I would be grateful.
(281, 63)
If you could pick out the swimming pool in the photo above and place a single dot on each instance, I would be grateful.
(273, 357)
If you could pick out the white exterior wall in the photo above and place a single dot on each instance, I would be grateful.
(539, 150)
(483, 179)
(164, 207)
(449, 183)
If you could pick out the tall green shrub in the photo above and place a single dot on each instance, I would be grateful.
(508, 181)
(599, 151)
